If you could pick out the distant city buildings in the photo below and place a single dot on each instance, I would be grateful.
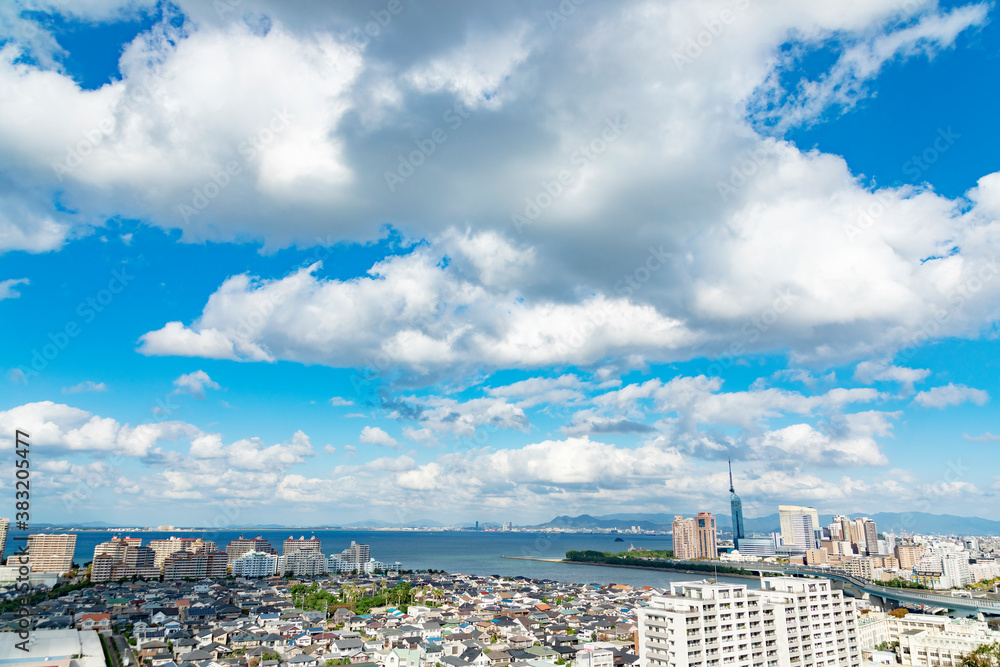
(193, 558)
(123, 558)
(4, 529)
(695, 538)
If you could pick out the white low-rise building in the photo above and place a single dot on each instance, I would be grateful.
(984, 570)
(64, 648)
(873, 629)
(945, 644)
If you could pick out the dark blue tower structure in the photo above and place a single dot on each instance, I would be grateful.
(736, 507)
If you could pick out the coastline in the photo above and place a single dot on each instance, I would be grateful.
(632, 567)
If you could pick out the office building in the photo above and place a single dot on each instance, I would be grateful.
(293, 546)
(4, 529)
(836, 530)
(871, 538)
(788, 622)
(786, 513)
(48, 552)
(241, 545)
(706, 533)
(255, 564)
(758, 546)
(861, 541)
(803, 531)
(816, 557)
(736, 510)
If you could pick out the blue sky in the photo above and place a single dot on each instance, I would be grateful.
(313, 265)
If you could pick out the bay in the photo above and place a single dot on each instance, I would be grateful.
(455, 551)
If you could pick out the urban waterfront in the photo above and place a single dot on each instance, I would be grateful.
(464, 552)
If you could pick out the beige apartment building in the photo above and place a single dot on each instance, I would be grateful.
(685, 538)
(48, 552)
(166, 548)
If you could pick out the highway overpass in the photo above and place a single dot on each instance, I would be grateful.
(978, 605)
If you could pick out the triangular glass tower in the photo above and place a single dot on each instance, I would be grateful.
(736, 507)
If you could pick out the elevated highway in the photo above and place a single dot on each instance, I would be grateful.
(978, 605)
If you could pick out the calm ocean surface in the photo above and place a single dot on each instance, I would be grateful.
(465, 552)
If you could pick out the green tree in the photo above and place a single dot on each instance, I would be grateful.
(987, 655)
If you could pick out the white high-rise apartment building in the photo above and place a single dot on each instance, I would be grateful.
(820, 625)
(801, 622)
(255, 564)
(955, 566)
(701, 624)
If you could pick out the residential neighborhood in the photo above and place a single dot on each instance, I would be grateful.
(452, 620)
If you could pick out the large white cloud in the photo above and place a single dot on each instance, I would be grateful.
(68, 429)
(179, 462)
(653, 204)
(574, 198)
(950, 394)
(412, 313)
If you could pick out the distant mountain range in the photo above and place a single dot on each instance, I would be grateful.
(899, 522)
(910, 522)
(378, 523)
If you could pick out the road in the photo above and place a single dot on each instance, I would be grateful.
(913, 596)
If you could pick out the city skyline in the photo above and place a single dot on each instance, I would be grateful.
(494, 264)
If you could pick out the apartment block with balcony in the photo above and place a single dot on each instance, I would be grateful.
(820, 625)
(708, 625)
(801, 622)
